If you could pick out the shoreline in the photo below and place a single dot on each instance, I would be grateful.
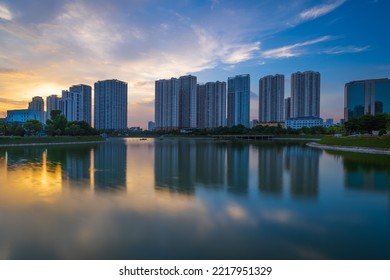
(50, 144)
(350, 149)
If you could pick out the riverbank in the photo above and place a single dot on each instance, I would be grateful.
(43, 141)
(353, 149)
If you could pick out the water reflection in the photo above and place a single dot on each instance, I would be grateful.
(271, 159)
(110, 161)
(365, 173)
(191, 199)
(302, 164)
(237, 168)
(175, 165)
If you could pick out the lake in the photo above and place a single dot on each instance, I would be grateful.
(193, 199)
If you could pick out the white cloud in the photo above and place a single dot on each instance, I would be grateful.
(347, 49)
(293, 50)
(5, 13)
(320, 10)
(238, 53)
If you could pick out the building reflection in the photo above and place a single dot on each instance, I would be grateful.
(74, 162)
(183, 165)
(175, 165)
(28, 169)
(238, 168)
(367, 173)
(109, 164)
(211, 164)
(302, 164)
(270, 168)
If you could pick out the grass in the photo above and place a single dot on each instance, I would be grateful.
(382, 142)
(40, 140)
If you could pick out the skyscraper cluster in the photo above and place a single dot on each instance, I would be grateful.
(180, 103)
(110, 105)
(184, 104)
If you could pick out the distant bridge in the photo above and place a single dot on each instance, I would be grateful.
(243, 137)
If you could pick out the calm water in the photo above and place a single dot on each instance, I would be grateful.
(192, 199)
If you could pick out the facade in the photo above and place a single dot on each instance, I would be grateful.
(238, 100)
(211, 105)
(202, 106)
(305, 94)
(71, 105)
(37, 104)
(271, 99)
(151, 126)
(187, 102)
(328, 123)
(287, 108)
(297, 123)
(21, 116)
(166, 112)
(85, 105)
(110, 104)
(366, 97)
(52, 103)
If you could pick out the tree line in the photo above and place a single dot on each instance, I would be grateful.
(57, 125)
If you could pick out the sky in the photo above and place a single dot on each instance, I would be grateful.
(48, 45)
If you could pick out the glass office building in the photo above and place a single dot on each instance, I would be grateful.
(366, 97)
(238, 100)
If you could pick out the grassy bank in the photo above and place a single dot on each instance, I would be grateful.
(382, 142)
(48, 140)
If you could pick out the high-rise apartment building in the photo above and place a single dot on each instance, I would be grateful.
(110, 104)
(37, 104)
(52, 103)
(271, 99)
(166, 112)
(85, 102)
(305, 94)
(71, 105)
(212, 105)
(287, 108)
(366, 97)
(238, 100)
(188, 102)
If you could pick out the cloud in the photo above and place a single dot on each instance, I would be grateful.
(12, 101)
(346, 49)
(293, 50)
(236, 54)
(5, 13)
(320, 10)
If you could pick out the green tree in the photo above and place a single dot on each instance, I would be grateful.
(32, 127)
(15, 129)
(3, 127)
(57, 124)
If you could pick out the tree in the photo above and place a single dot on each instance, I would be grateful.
(33, 127)
(3, 128)
(57, 124)
(15, 129)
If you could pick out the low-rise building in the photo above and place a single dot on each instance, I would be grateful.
(297, 123)
(22, 116)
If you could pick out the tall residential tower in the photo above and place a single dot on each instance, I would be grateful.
(238, 100)
(86, 101)
(110, 104)
(271, 99)
(166, 112)
(305, 94)
(188, 102)
(212, 105)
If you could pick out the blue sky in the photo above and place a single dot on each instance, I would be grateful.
(48, 45)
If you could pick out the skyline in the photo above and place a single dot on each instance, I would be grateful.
(49, 45)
